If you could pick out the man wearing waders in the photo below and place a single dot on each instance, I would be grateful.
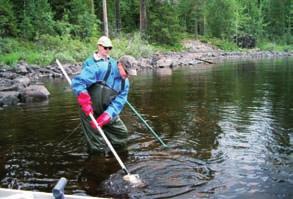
(102, 88)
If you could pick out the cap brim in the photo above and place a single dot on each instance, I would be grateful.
(105, 45)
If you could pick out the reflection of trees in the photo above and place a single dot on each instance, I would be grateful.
(280, 83)
(264, 88)
(189, 105)
(159, 100)
(180, 106)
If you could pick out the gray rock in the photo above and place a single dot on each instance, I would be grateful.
(35, 93)
(8, 75)
(22, 82)
(7, 85)
(21, 68)
(9, 98)
(164, 62)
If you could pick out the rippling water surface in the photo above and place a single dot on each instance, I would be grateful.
(229, 129)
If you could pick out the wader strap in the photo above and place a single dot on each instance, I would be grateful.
(122, 84)
(108, 72)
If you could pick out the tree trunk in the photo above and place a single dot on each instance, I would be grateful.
(143, 18)
(92, 4)
(118, 18)
(195, 28)
(105, 18)
(204, 25)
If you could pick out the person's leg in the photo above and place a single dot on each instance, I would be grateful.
(95, 142)
(117, 133)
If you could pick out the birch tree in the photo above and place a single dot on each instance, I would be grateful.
(143, 17)
(105, 18)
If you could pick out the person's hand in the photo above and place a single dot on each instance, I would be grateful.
(84, 100)
(102, 120)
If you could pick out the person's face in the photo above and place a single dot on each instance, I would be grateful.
(104, 51)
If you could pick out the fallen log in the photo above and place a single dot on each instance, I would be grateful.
(209, 62)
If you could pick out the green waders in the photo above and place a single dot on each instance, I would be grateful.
(115, 131)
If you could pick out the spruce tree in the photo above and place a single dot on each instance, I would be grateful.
(8, 26)
(163, 22)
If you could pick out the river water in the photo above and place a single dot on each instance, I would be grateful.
(228, 127)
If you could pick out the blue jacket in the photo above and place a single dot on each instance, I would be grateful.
(94, 71)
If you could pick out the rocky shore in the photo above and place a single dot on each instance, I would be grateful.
(23, 83)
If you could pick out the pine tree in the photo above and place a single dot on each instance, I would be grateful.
(276, 17)
(8, 26)
(163, 22)
(36, 19)
(84, 21)
(219, 16)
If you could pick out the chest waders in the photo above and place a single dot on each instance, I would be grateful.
(115, 131)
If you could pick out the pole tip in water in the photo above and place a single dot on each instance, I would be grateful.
(134, 180)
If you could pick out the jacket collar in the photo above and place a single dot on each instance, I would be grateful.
(97, 56)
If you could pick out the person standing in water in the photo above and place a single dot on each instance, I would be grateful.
(102, 88)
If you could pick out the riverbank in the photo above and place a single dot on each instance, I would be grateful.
(23, 83)
(202, 53)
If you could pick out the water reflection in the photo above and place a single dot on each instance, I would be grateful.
(161, 72)
(228, 128)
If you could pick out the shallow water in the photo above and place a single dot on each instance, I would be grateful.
(228, 127)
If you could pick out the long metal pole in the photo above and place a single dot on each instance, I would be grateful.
(109, 144)
(146, 124)
(98, 127)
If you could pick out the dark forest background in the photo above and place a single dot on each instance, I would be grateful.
(40, 25)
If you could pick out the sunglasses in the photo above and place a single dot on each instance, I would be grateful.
(107, 48)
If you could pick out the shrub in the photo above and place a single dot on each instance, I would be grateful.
(10, 59)
(131, 44)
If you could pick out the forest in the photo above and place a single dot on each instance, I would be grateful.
(45, 29)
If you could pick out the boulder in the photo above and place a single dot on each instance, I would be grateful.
(9, 98)
(8, 75)
(22, 68)
(7, 85)
(165, 62)
(144, 63)
(22, 82)
(34, 93)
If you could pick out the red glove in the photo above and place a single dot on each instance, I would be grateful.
(102, 120)
(84, 100)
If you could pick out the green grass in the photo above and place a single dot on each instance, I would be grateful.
(272, 46)
(47, 48)
(220, 43)
(10, 58)
(131, 44)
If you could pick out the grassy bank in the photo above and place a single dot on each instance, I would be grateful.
(44, 50)
(263, 45)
